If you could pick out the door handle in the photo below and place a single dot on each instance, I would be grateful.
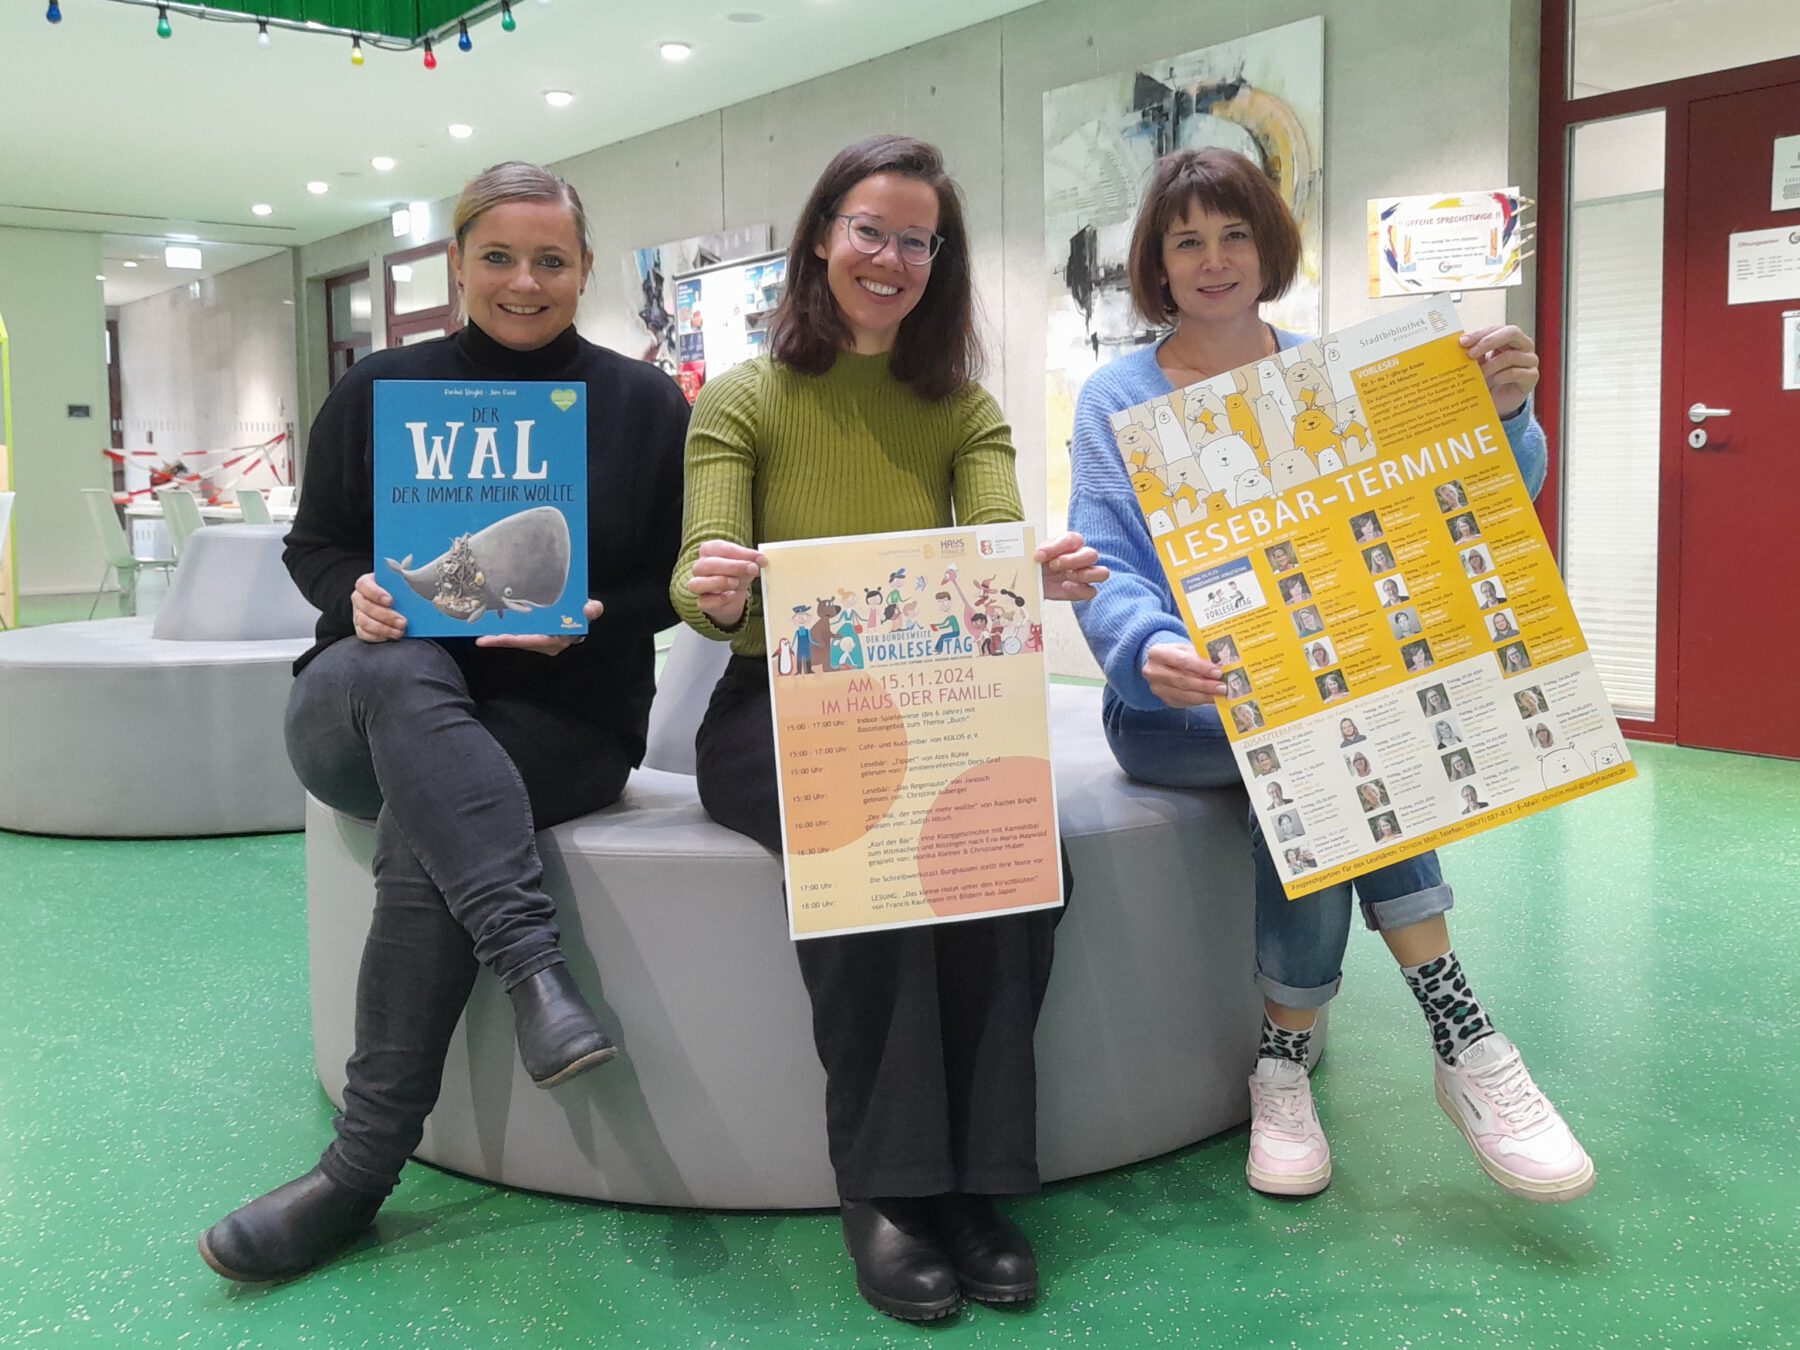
(1700, 412)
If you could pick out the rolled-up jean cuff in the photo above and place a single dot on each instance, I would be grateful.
(1287, 996)
(1403, 911)
(352, 1177)
(554, 956)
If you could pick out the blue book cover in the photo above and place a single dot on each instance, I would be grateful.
(481, 505)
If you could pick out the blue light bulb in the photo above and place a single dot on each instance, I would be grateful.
(463, 42)
(54, 13)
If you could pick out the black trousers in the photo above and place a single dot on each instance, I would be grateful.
(457, 787)
(925, 1033)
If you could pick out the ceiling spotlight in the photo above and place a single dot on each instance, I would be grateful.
(558, 98)
(381, 164)
(317, 188)
(128, 263)
(262, 209)
(676, 51)
(461, 130)
(99, 276)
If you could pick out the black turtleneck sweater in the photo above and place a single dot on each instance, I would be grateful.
(637, 422)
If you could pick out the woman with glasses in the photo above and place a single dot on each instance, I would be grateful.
(1213, 242)
(864, 418)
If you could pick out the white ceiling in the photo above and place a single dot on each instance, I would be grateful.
(123, 133)
(149, 276)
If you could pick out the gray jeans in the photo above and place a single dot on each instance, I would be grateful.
(457, 788)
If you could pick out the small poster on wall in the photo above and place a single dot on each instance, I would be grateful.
(720, 316)
(1784, 187)
(1460, 241)
(1790, 349)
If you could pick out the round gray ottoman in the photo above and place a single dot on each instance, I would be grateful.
(675, 927)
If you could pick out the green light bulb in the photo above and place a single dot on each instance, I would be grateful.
(162, 25)
(507, 22)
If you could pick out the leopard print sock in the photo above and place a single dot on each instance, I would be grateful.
(1280, 1043)
(1457, 1020)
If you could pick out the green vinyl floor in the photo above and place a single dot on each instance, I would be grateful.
(1641, 946)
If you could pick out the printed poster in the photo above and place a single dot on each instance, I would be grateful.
(481, 505)
(1455, 242)
(909, 689)
(1346, 531)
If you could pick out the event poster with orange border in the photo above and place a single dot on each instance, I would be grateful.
(910, 696)
(1347, 533)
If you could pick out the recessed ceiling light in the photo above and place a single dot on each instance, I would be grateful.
(381, 164)
(190, 238)
(177, 256)
(744, 16)
(128, 263)
(99, 276)
(317, 188)
(461, 130)
(676, 51)
(262, 209)
(558, 98)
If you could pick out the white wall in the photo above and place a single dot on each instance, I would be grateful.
(56, 320)
(210, 364)
(1418, 98)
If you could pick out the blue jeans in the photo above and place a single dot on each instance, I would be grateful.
(1299, 943)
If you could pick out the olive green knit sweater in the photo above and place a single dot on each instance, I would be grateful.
(774, 454)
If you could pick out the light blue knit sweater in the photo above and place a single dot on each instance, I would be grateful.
(1135, 610)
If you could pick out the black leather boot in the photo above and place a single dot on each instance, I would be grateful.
(559, 1036)
(900, 1268)
(289, 1230)
(993, 1260)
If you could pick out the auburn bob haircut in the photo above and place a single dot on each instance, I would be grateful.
(1223, 182)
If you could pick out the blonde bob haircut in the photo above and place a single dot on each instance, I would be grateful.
(1227, 184)
(516, 181)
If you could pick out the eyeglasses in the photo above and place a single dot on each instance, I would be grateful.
(916, 247)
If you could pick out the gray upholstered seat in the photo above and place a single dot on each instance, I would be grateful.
(164, 726)
(676, 925)
(107, 730)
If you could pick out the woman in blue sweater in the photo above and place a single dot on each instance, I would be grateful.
(1212, 242)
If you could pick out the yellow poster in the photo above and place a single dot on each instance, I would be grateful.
(909, 689)
(1347, 534)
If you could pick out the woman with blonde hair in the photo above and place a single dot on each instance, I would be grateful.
(461, 750)
(1214, 242)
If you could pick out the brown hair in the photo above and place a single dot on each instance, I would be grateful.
(1224, 182)
(937, 352)
(516, 181)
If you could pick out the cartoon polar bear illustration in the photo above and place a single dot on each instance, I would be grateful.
(1291, 469)
(1225, 461)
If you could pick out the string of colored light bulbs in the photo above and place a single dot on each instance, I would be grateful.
(428, 41)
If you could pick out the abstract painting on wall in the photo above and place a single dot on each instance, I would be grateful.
(1262, 95)
(650, 281)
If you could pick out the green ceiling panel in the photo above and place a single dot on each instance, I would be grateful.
(404, 19)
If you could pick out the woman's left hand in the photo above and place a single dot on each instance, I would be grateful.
(544, 644)
(1071, 569)
(1509, 364)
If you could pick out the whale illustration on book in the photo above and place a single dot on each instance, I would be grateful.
(519, 563)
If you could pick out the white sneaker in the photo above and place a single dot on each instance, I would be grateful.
(1519, 1139)
(1288, 1152)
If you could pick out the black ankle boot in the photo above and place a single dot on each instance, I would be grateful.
(994, 1262)
(900, 1268)
(559, 1036)
(289, 1230)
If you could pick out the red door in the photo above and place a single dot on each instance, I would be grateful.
(1738, 680)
